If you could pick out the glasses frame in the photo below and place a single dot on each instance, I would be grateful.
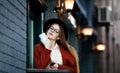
(51, 28)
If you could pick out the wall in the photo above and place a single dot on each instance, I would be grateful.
(13, 36)
(116, 35)
(49, 13)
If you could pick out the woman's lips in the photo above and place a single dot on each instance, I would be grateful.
(50, 33)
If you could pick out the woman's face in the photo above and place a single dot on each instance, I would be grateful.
(53, 32)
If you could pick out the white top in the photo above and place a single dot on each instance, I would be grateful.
(55, 55)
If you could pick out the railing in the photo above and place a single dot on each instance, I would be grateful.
(46, 71)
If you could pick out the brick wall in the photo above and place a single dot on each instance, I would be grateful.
(13, 36)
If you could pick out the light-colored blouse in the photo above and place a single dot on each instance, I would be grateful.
(56, 55)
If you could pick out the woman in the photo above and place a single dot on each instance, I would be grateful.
(53, 52)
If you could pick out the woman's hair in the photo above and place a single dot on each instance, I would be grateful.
(62, 34)
(62, 40)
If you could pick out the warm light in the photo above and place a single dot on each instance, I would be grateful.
(87, 31)
(69, 4)
(100, 47)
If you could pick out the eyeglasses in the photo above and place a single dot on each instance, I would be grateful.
(54, 30)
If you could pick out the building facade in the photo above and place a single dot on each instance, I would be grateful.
(13, 34)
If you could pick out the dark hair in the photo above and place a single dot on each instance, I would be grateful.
(63, 32)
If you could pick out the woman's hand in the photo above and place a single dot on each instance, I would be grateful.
(54, 67)
(44, 39)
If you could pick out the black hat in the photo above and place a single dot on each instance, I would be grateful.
(58, 21)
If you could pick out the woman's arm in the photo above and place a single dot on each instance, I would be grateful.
(41, 57)
(69, 62)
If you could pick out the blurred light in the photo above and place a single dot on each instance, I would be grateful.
(72, 20)
(69, 4)
(87, 31)
(100, 47)
(109, 8)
